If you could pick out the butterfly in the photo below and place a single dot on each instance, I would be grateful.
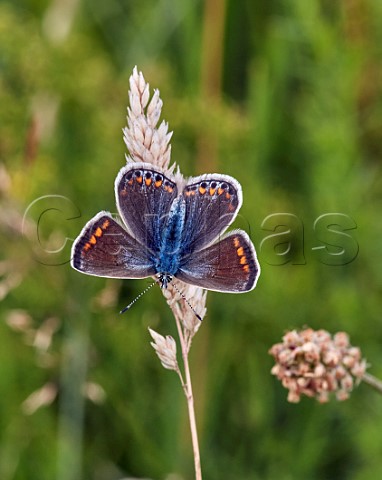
(170, 227)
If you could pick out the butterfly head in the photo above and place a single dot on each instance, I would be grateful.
(164, 279)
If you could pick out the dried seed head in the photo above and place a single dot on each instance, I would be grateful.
(314, 364)
(39, 398)
(19, 320)
(44, 334)
(94, 392)
(145, 141)
(165, 348)
(188, 306)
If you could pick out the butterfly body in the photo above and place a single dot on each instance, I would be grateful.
(170, 252)
(171, 228)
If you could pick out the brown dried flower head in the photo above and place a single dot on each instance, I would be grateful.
(313, 363)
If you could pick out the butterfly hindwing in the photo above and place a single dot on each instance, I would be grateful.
(105, 249)
(229, 265)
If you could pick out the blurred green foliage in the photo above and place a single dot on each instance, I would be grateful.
(296, 116)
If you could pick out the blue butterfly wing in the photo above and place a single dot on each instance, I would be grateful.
(230, 265)
(144, 196)
(105, 249)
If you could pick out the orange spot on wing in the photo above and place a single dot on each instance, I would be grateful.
(212, 191)
(240, 251)
(131, 181)
(220, 190)
(148, 181)
(98, 232)
(105, 224)
(139, 179)
(236, 242)
(93, 240)
(86, 247)
(246, 268)
(243, 260)
(202, 190)
(158, 183)
(227, 196)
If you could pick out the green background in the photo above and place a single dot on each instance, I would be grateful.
(283, 95)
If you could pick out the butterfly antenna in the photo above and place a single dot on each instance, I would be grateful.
(187, 301)
(137, 298)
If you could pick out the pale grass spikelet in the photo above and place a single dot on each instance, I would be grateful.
(165, 348)
(44, 334)
(42, 397)
(144, 140)
(194, 297)
(19, 320)
(94, 392)
(314, 364)
(147, 142)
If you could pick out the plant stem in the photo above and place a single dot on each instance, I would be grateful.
(372, 381)
(187, 387)
(191, 414)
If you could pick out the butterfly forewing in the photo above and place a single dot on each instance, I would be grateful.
(144, 197)
(212, 202)
(105, 249)
(229, 265)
